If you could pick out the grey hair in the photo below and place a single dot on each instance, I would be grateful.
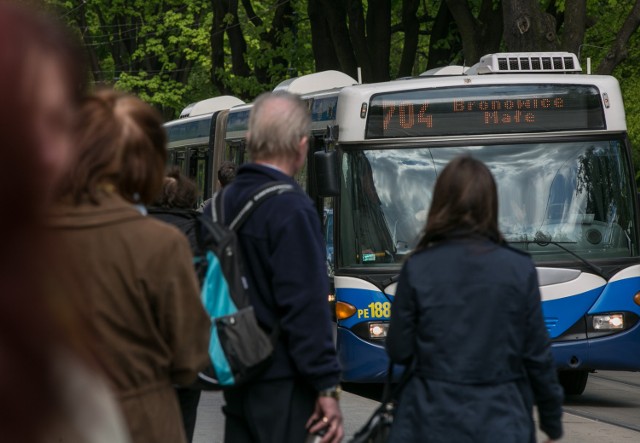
(277, 123)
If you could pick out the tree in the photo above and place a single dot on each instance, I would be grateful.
(149, 48)
(444, 39)
(411, 28)
(178, 51)
(383, 38)
(480, 35)
(256, 46)
(528, 28)
(619, 51)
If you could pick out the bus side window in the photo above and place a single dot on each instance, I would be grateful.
(235, 152)
(198, 171)
(171, 158)
(179, 160)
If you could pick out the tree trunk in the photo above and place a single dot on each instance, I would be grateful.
(527, 27)
(217, 46)
(322, 45)
(490, 24)
(358, 35)
(251, 14)
(440, 55)
(575, 25)
(619, 51)
(411, 28)
(222, 10)
(92, 57)
(337, 24)
(237, 43)
(468, 29)
(282, 20)
(379, 38)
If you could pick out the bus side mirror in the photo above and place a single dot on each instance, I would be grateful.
(326, 172)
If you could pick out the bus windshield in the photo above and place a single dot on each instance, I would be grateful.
(575, 194)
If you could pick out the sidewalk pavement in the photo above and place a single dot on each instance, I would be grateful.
(356, 411)
(584, 430)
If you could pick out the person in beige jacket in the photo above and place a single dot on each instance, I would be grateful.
(128, 276)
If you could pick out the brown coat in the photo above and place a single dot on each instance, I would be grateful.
(133, 278)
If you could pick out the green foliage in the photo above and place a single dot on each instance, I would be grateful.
(293, 51)
(150, 48)
(161, 50)
(608, 16)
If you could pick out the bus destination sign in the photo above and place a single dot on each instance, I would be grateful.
(485, 110)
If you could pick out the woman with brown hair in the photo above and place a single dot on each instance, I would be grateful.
(133, 274)
(467, 317)
(49, 392)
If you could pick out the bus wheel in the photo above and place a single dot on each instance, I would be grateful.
(573, 382)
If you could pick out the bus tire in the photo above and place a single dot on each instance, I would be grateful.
(573, 382)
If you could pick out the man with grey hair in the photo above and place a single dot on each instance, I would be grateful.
(284, 253)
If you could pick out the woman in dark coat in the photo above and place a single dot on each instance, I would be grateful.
(179, 195)
(467, 315)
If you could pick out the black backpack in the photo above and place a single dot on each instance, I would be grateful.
(239, 348)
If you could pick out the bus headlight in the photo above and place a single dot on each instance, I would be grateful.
(378, 330)
(608, 322)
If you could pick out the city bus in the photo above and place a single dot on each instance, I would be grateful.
(192, 140)
(555, 140)
(320, 92)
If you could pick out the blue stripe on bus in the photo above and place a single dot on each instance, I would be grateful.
(618, 296)
(560, 314)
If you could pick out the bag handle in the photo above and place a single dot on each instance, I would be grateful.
(388, 393)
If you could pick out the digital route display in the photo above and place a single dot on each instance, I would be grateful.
(485, 110)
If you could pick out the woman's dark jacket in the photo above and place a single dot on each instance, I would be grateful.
(469, 311)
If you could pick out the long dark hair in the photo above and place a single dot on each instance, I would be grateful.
(465, 203)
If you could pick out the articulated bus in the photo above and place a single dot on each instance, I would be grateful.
(214, 130)
(556, 142)
(196, 137)
(320, 92)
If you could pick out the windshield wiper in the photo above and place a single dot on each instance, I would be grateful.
(542, 239)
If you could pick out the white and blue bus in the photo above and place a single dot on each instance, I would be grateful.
(320, 92)
(556, 142)
(197, 137)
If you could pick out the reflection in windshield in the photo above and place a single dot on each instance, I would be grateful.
(576, 194)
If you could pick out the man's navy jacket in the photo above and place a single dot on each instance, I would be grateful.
(284, 253)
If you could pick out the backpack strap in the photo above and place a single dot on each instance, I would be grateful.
(257, 198)
(217, 209)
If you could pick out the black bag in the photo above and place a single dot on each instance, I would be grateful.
(378, 427)
(239, 348)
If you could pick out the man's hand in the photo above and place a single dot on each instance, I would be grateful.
(327, 416)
